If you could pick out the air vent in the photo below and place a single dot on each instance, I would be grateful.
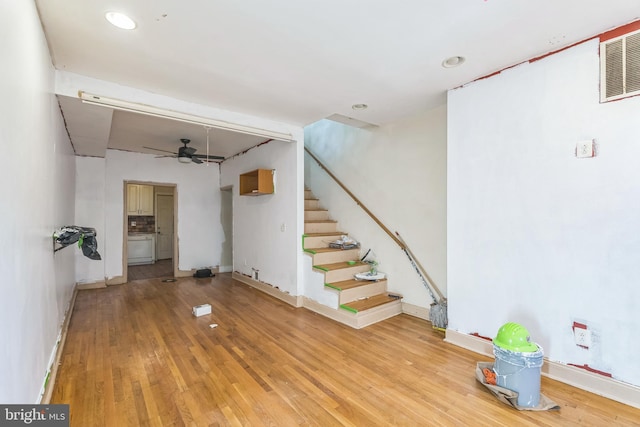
(620, 67)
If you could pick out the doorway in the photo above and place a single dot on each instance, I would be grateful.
(156, 224)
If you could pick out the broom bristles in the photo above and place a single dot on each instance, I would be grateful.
(438, 315)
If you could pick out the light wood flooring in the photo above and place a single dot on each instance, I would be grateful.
(135, 355)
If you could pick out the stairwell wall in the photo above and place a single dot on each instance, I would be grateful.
(399, 172)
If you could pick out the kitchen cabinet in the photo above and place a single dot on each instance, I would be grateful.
(257, 182)
(139, 199)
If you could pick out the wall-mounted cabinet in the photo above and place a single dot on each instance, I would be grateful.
(257, 182)
(139, 199)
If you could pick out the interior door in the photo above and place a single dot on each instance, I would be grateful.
(164, 226)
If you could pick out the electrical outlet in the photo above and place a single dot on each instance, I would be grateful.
(582, 337)
(585, 149)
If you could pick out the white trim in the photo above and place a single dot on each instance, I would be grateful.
(576, 377)
(56, 352)
(415, 311)
(293, 300)
(149, 110)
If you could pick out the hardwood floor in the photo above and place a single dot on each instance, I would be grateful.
(161, 268)
(135, 355)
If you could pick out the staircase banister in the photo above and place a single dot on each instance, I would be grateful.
(358, 202)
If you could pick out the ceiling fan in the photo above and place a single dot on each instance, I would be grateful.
(188, 154)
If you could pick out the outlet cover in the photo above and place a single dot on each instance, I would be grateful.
(585, 149)
(582, 337)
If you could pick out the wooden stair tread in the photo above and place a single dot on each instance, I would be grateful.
(339, 265)
(315, 210)
(369, 303)
(320, 221)
(326, 233)
(350, 284)
(328, 249)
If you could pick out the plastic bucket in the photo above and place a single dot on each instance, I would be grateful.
(520, 372)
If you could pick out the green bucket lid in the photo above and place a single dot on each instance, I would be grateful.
(514, 337)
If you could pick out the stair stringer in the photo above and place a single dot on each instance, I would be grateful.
(314, 288)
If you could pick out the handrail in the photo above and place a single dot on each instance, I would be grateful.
(373, 217)
(396, 237)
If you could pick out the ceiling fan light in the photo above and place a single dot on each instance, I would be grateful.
(184, 159)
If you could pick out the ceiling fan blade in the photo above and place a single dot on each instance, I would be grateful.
(210, 157)
(164, 155)
(157, 149)
(196, 160)
(188, 150)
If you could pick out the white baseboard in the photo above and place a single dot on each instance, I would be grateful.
(52, 373)
(293, 300)
(225, 268)
(91, 285)
(580, 378)
(415, 310)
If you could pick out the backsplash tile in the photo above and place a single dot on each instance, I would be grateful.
(144, 224)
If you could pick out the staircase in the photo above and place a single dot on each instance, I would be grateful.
(360, 302)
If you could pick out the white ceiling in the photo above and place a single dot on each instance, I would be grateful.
(299, 61)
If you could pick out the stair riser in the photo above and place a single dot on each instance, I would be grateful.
(339, 256)
(344, 273)
(316, 215)
(311, 242)
(320, 227)
(374, 288)
(308, 194)
(378, 314)
(312, 204)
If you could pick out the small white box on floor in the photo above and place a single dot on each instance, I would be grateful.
(201, 310)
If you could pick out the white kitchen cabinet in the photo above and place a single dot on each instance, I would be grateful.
(139, 199)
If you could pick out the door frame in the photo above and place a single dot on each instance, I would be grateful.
(125, 226)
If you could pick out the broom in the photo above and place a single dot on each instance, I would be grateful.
(438, 309)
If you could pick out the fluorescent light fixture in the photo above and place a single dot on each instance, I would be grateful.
(120, 20)
(149, 110)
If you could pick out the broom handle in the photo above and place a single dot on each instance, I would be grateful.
(422, 272)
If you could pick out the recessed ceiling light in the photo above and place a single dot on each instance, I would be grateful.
(359, 106)
(454, 61)
(120, 20)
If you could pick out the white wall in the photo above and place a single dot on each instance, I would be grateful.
(199, 230)
(267, 229)
(90, 190)
(38, 197)
(536, 235)
(399, 172)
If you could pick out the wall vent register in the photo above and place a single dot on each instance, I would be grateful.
(620, 67)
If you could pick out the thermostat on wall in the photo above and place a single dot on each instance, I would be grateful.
(201, 310)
